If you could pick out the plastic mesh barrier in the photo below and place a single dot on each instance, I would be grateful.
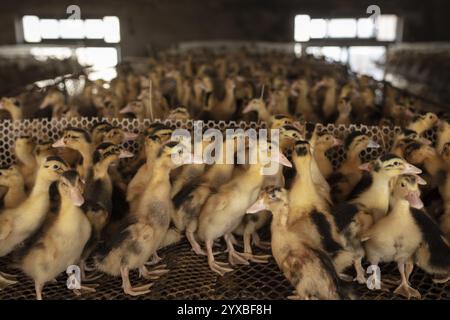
(190, 276)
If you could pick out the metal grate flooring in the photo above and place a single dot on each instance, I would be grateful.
(190, 278)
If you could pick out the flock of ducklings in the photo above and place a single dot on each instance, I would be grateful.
(72, 201)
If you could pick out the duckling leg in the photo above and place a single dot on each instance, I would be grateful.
(248, 252)
(155, 260)
(4, 281)
(214, 265)
(194, 244)
(126, 285)
(259, 243)
(234, 257)
(359, 271)
(154, 274)
(38, 288)
(404, 289)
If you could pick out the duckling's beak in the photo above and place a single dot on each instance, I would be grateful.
(127, 109)
(410, 169)
(365, 166)
(125, 154)
(337, 142)
(1, 105)
(373, 144)
(128, 136)
(425, 141)
(257, 206)
(76, 196)
(421, 181)
(284, 161)
(414, 200)
(44, 104)
(247, 108)
(59, 143)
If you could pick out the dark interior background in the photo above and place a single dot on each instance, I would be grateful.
(160, 23)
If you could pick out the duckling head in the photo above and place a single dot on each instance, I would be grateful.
(52, 168)
(109, 154)
(116, 135)
(135, 107)
(180, 113)
(416, 152)
(390, 165)
(44, 150)
(174, 154)
(12, 105)
(280, 120)
(52, 98)
(254, 105)
(407, 187)
(270, 198)
(344, 106)
(24, 147)
(70, 186)
(413, 135)
(11, 176)
(357, 141)
(98, 131)
(427, 120)
(327, 141)
(74, 138)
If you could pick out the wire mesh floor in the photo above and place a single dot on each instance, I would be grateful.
(190, 278)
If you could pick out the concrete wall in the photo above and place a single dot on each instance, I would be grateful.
(160, 23)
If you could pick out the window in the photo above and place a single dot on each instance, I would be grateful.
(385, 28)
(36, 29)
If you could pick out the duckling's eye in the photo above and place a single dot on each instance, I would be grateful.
(55, 166)
(402, 184)
(327, 138)
(430, 117)
(396, 163)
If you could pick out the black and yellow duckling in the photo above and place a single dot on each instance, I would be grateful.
(346, 177)
(13, 107)
(62, 239)
(308, 268)
(19, 223)
(145, 229)
(23, 150)
(224, 210)
(368, 202)
(396, 237)
(424, 122)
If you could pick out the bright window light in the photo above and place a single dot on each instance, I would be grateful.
(31, 29)
(387, 27)
(43, 53)
(342, 28)
(364, 60)
(94, 29)
(36, 29)
(333, 53)
(49, 28)
(318, 28)
(366, 28)
(302, 27)
(97, 57)
(71, 29)
(298, 50)
(112, 29)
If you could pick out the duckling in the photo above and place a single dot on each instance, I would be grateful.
(190, 199)
(445, 193)
(346, 177)
(308, 268)
(19, 223)
(55, 100)
(279, 120)
(180, 113)
(135, 108)
(44, 150)
(12, 178)
(345, 108)
(99, 190)
(422, 123)
(145, 229)
(368, 202)
(98, 131)
(27, 165)
(259, 106)
(62, 240)
(13, 107)
(79, 140)
(324, 143)
(159, 135)
(404, 138)
(224, 110)
(396, 236)
(328, 106)
(303, 105)
(224, 210)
